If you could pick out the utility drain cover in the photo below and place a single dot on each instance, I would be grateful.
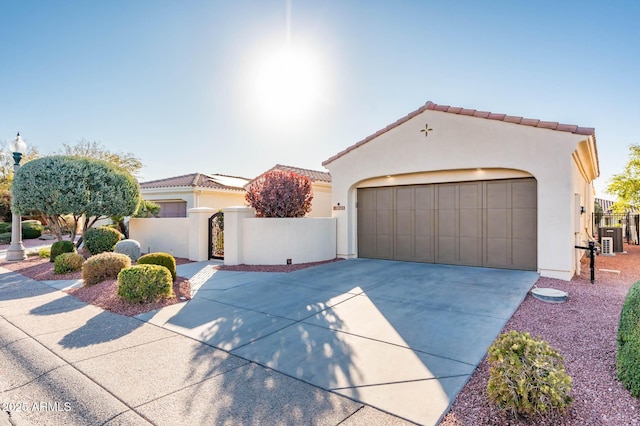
(550, 295)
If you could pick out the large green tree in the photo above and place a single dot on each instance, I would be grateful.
(626, 185)
(64, 185)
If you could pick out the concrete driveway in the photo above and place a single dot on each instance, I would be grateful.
(402, 337)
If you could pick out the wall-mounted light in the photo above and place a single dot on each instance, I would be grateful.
(582, 210)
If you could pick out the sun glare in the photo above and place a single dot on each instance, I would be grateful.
(287, 84)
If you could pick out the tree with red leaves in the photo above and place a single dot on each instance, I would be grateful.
(280, 194)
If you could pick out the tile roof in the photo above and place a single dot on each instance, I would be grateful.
(605, 204)
(313, 175)
(430, 106)
(198, 180)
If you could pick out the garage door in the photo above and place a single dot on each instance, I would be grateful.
(485, 223)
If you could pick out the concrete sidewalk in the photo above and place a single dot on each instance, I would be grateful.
(63, 361)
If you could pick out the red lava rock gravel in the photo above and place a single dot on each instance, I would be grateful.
(583, 330)
(103, 294)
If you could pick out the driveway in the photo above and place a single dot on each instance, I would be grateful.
(399, 336)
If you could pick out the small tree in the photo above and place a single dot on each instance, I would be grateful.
(93, 149)
(280, 194)
(626, 185)
(62, 185)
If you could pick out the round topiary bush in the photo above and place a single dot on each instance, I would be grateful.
(31, 229)
(60, 247)
(5, 227)
(45, 252)
(5, 238)
(129, 247)
(104, 266)
(145, 283)
(162, 259)
(67, 262)
(101, 239)
(628, 356)
(527, 375)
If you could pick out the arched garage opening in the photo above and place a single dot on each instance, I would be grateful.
(489, 223)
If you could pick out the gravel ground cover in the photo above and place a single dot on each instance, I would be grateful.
(583, 330)
(103, 294)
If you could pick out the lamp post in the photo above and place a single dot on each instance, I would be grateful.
(16, 249)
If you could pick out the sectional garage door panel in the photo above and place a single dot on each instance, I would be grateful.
(485, 223)
(414, 223)
(511, 224)
(459, 228)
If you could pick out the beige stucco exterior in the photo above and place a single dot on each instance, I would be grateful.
(464, 148)
(220, 199)
(196, 197)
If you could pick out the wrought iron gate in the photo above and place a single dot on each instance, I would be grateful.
(216, 236)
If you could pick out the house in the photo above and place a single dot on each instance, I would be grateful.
(320, 184)
(176, 195)
(465, 187)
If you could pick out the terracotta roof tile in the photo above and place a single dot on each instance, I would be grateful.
(198, 180)
(588, 131)
(313, 175)
(493, 116)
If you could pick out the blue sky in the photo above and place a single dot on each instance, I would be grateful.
(177, 82)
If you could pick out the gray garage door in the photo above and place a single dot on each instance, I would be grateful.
(485, 223)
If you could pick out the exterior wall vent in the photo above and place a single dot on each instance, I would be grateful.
(607, 245)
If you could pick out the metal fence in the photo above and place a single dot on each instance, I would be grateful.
(629, 222)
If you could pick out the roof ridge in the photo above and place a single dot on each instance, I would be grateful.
(533, 122)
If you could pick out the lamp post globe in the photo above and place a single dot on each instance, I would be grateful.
(16, 250)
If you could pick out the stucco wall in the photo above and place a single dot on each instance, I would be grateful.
(321, 203)
(271, 241)
(469, 148)
(169, 235)
(196, 198)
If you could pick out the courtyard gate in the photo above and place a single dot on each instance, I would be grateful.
(216, 236)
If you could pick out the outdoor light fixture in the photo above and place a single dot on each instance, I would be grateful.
(16, 250)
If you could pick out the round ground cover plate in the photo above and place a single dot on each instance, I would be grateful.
(550, 295)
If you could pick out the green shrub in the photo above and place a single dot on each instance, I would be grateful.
(162, 259)
(60, 247)
(628, 356)
(527, 375)
(101, 239)
(31, 229)
(145, 283)
(5, 238)
(5, 227)
(104, 266)
(67, 262)
(129, 247)
(44, 252)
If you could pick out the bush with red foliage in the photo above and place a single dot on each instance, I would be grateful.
(280, 194)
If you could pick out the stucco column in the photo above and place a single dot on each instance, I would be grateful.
(199, 232)
(233, 217)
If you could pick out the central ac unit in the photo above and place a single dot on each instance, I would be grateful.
(607, 245)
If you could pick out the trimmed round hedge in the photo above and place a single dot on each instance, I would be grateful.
(145, 283)
(101, 239)
(628, 356)
(68, 262)
(60, 247)
(104, 266)
(31, 229)
(162, 259)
